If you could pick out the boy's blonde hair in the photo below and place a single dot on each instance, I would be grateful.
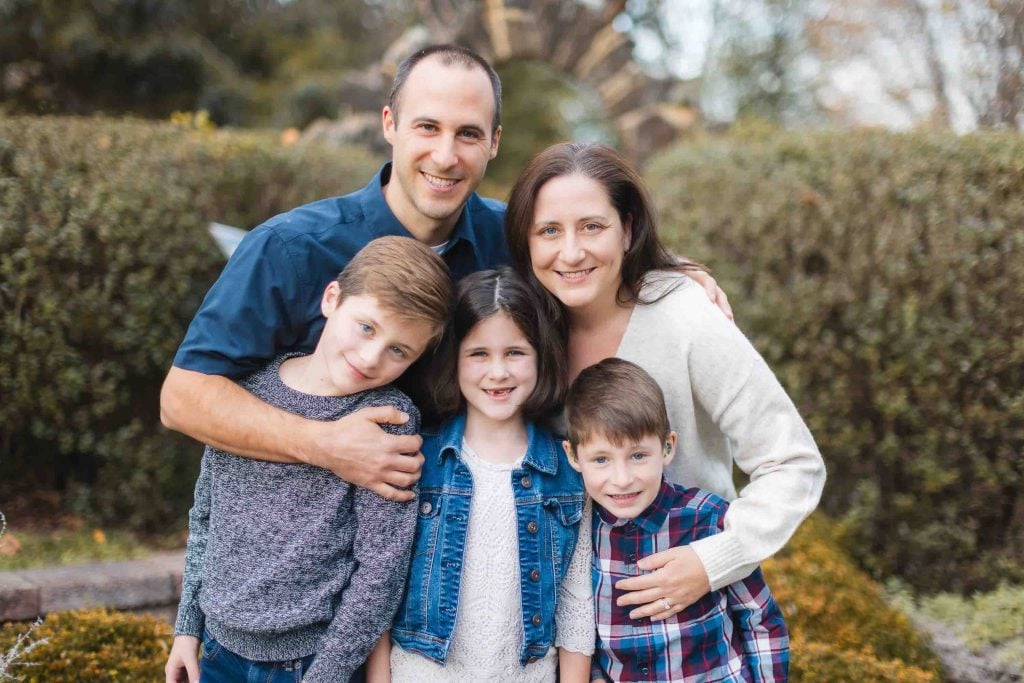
(405, 276)
(618, 400)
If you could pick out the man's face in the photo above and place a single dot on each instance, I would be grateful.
(364, 345)
(441, 142)
(623, 478)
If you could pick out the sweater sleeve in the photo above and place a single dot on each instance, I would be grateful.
(381, 550)
(770, 443)
(190, 619)
(574, 613)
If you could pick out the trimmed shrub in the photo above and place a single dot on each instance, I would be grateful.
(881, 277)
(91, 646)
(838, 620)
(104, 258)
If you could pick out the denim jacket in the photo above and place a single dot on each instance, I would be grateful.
(549, 506)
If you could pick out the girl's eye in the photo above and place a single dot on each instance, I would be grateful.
(398, 351)
(365, 329)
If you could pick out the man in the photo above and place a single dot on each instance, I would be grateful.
(443, 121)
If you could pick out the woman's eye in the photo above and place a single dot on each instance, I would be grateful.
(592, 227)
(549, 231)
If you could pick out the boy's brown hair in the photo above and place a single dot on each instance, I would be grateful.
(405, 276)
(618, 400)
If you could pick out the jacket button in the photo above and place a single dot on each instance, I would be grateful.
(531, 660)
(426, 507)
(526, 482)
(536, 620)
(535, 575)
(532, 527)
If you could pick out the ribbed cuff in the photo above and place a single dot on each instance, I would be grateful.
(328, 669)
(723, 559)
(190, 621)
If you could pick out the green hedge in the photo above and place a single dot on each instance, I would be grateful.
(881, 275)
(104, 258)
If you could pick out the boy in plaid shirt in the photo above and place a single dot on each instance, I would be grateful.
(620, 441)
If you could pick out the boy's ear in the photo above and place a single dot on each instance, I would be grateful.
(570, 456)
(670, 447)
(331, 298)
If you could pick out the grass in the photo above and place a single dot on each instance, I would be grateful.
(29, 548)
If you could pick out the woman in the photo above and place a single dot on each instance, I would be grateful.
(579, 225)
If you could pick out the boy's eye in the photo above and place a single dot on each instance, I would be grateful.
(600, 460)
(639, 455)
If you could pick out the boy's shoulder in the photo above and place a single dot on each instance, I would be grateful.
(695, 503)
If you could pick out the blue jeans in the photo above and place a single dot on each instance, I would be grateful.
(221, 665)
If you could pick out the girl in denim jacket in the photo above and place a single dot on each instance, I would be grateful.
(499, 586)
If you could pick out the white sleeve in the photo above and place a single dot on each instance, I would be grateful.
(574, 613)
(771, 444)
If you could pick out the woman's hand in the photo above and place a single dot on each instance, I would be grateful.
(183, 662)
(711, 288)
(678, 581)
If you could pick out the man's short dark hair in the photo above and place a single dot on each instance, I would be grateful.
(449, 55)
(618, 400)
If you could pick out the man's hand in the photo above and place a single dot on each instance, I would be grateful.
(183, 662)
(714, 292)
(678, 581)
(357, 450)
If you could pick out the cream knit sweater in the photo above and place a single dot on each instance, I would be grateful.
(726, 406)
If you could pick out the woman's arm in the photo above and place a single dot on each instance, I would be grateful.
(734, 386)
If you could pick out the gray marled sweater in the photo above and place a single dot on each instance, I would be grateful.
(287, 560)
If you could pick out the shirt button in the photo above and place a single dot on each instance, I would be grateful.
(536, 619)
(532, 527)
(535, 575)
(631, 558)
(426, 507)
(526, 482)
(645, 670)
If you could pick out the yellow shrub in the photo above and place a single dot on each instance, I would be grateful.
(837, 617)
(92, 646)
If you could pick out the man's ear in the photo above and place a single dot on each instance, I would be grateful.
(331, 298)
(670, 447)
(388, 123)
(570, 456)
(495, 139)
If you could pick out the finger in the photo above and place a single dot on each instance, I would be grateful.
(171, 672)
(403, 444)
(409, 461)
(661, 616)
(723, 303)
(649, 610)
(384, 415)
(642, 582)
(391, 493)
(192, 668)
(653, 562)
(401, 479)
(640, 597)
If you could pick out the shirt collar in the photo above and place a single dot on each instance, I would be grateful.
(541, 449)
(652, 518)
(382, 220)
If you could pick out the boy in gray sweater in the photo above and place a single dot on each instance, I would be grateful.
(291, 572)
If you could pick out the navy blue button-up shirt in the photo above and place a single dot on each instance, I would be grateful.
(267, 299)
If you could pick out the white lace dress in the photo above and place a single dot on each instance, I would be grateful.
(488, 625)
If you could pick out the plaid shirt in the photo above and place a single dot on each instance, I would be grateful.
(734, 634)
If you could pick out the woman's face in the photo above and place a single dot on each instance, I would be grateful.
(577, 242)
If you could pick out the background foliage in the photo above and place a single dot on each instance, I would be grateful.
(104, 258)
(880, 275)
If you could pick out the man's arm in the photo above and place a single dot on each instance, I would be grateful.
(217, 411)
